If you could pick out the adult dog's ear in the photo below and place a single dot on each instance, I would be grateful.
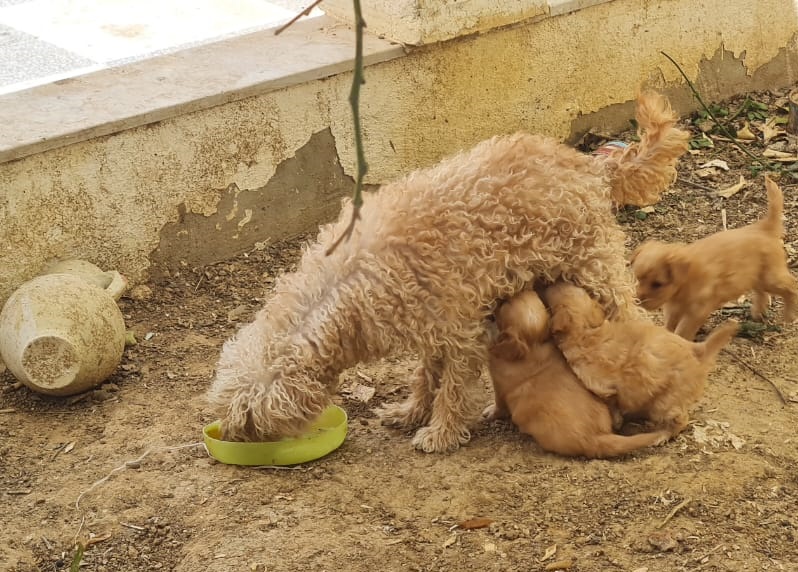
(509, 347)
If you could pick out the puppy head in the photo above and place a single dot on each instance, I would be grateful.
(660, 268)
(572, 309)
(522, 322)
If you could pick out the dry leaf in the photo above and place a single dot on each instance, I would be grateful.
(560, 565)
(473, 523)
(359, 392)
(648, 210)
(69, 447)
(550, 551)
(769, 130)
(98, 539)
(705, 173)
(450, 541)
(733, 190)
(773, 154)
(746, 134)
(719, 163)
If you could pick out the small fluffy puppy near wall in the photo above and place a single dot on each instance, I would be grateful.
(642, 368)
(690, 281)
(534, 385)
(429, 258)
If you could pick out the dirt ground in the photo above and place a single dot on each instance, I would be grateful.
(122, 470)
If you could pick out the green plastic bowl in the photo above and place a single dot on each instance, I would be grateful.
(325, 435)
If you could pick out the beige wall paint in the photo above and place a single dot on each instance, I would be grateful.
(108, 199)
(418, 22)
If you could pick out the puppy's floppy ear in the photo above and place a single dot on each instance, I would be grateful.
(676, 266)
(635, 253)
(509, 347)
(595, 315)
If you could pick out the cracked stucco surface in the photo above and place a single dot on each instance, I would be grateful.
(107, 199)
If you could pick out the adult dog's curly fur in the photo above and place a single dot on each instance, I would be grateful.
(536, 387)
(423, 269)
(643, 368)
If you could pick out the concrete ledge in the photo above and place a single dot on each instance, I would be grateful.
(419, 22)
(112, 100)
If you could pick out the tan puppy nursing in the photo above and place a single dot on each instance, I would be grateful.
(646, 370)
(690, 281)
(536, 387)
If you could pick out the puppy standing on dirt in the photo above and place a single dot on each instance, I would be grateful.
(643, 368)
(423, 269)
(690, 281)
(535, 386)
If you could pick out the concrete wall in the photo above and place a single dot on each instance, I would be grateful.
(206, 185)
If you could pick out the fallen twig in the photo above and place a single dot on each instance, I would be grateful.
(696, 185)
(278, 467)
(755, 371)
(676, 509)
(135, 463)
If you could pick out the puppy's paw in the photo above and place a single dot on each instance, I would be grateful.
(617, 419)
(405, 415)
(664, 437)
(492, 412)
(440, 440)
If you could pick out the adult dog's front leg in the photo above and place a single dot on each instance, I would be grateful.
(456, 404)
(416, 409)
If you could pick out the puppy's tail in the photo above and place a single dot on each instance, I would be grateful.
(612, 445)
(774, 219)
(716, 341)
(641, 172)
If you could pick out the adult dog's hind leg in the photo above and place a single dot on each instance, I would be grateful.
(416, 409)
(456, 403)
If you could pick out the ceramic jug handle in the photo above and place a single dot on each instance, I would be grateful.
(118, 284)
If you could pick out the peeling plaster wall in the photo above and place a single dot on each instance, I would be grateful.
(125, 200)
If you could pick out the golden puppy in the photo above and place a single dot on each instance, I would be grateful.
(690, 281)
(533, 383)
(646, 370)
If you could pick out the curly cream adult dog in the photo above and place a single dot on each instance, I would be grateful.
(423, 269)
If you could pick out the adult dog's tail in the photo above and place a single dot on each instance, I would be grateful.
(642, 171)
(774, 219)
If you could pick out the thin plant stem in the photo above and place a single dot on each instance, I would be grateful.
(354, 102)
(304, 12)
(723, 128)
